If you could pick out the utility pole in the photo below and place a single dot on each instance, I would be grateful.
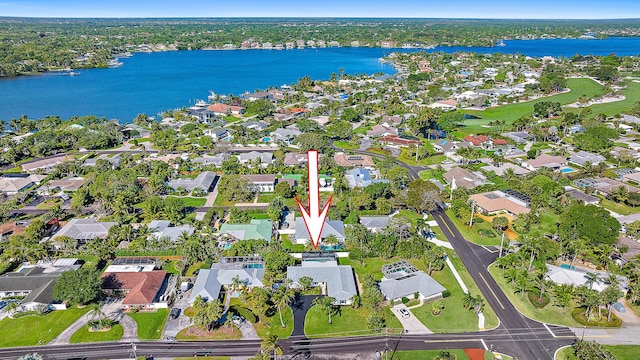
(417, 153)
(473, 208)
(501, 242)
(134, 348)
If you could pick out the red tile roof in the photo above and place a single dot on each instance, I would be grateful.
(398, 140)
(142, 287)
(499, 142)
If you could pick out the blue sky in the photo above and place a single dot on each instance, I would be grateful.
(540, 9)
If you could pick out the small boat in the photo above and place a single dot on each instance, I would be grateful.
(501, 43)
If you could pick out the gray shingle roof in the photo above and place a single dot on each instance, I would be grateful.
(203, 181)
(331, 227)
(407, 285)
(339, 278)
(83, 229)
(374, 222)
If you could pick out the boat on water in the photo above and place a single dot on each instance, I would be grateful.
(114, 63)
(501, 43)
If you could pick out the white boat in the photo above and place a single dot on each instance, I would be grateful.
(501, 43)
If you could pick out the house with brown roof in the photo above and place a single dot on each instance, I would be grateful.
(478, 141)
(391, 121)
(11, 185)
(544, 160)
(295, 159)
(382, 130)
(508, 201)
(44, 164)
(399, 141)
(346, 160)
(140, 289)
(69, 184)
(224, 109)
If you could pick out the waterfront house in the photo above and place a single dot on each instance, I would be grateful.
(220, 109)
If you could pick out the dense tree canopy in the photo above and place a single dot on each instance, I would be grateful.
(589, 222)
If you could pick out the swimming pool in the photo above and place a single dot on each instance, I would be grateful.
(565, 266)
(266, 139)
(566, 170)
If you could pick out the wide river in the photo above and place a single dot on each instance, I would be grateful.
(150, 83)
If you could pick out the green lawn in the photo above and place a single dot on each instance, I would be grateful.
(512, 112)
(169, 266)
(624, 352)
(191, 201)
(197, 266)
(431, 174)
(371, 266)
(289, 246)
(272, 325)
(267, 197)
(454, 317)
(350, 322)
(345, 145)
(150, 324)
(426, 354)
(221, 333)
(406, 158)
(472, 234)
(29, 330)
(84, 335)
(551, 313)
(620, 208)
(632, 95)
(566, 354)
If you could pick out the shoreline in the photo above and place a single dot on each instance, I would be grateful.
(439, 47)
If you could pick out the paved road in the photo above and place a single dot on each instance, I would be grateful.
(530, 339)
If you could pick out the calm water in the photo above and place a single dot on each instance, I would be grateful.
(155, 82)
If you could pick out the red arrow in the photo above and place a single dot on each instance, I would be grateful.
(314, 218)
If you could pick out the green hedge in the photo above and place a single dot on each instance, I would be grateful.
(578, 315)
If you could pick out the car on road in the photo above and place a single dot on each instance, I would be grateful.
(201, 353)
(404, 312)
(175, 312)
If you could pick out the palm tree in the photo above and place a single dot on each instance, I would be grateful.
(325, 305)
(589, 299)
(95, 311)
(564, 295)
(270, 344)
(281, 298)
(591, 279)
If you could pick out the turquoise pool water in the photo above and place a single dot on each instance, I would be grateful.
(566, 170)
(266, 139)
(565, 266)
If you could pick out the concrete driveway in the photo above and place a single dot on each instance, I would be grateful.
(173, 326)
(411, 324)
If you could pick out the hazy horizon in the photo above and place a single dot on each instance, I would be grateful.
(409, 9)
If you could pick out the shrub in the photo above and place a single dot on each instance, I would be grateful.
(446, 294)
(486, 233)
(405, 300)
(478, 220)
(538, 302)
(578, 315)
